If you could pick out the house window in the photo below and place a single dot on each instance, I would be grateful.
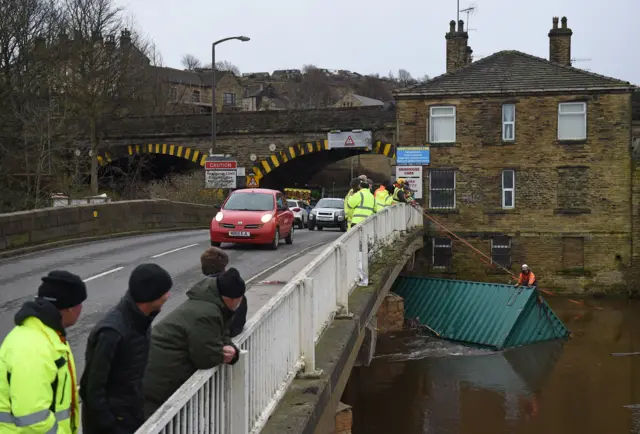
(229, 99)
(501, 251)
(508, 189)
(572, 253)
(442, 124)
(572, 121)
(442, 189)
(508, 122)
(173, 93)
(195, 96)
(442, 252)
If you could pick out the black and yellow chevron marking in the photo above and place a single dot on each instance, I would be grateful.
(179, 151)
(278, 158)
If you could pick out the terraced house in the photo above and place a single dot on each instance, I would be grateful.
(531, 161)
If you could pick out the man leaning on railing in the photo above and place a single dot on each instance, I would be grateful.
(194, 336)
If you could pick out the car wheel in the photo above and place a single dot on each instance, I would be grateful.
(214, 244)
(343, 227)
(301, 224)
(276, 240)
(320, 228)
(311, 226)
(289, 238)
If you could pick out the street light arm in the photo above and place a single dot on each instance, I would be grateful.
(239, 38)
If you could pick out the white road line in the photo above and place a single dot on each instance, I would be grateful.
(88, 279)
(174, 250)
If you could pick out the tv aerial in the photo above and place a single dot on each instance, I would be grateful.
(472, 9)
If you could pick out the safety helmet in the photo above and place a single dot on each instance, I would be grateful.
(525, 267)
(400, 181)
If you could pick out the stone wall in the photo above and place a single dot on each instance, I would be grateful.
(390, 315)
(568, 196)
(32, 228)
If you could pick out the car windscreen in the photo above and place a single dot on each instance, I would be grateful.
(330, 203)
(250, 202)
(292, 203)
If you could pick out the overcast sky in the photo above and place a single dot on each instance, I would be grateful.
(370, 36)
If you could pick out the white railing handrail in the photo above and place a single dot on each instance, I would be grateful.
(269, 362)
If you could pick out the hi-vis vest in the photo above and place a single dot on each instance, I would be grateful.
(363, 205)
(396, 190)
(37, 382)
(383, 199)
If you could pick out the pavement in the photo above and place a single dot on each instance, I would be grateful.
(106, 266)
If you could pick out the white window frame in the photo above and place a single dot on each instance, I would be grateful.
(505, 123)
(433, 251)
(512, 190)
(583, 114)
(455, 176)
(431, 116)
(493, 246)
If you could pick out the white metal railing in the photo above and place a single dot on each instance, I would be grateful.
(279, 340)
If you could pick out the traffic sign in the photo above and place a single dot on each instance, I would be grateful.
(220, 173)
(349, 142)
(252, 182)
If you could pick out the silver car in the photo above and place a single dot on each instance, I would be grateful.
(300, 213)
(328, 213)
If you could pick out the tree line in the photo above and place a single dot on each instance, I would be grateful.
(68, 69)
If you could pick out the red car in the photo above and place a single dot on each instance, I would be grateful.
(253, 216)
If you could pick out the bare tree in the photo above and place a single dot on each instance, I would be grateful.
(190, 62)
(224, 65)
(405, 78)
(315, 90)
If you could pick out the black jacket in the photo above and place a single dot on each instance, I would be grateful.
(116, 358)
(239, 319)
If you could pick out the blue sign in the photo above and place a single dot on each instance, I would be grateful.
(413, 155)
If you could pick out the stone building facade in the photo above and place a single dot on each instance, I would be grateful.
(530, 163)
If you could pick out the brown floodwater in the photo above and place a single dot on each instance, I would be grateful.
(422, 385)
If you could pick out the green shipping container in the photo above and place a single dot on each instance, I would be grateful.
(486, 314)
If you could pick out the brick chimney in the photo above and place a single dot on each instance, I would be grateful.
(560, 43)
(125, 38)
(458, 51)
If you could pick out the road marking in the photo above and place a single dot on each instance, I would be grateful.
(174, 250)
(88, 279)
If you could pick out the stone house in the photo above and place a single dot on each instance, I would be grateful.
(259, 97)
(530, 163)
(193, 89)
(353, 100)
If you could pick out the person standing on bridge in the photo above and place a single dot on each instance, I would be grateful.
(193, 336)
(383, 196)
(355, 187)
(361, 204)
(38, 392)
(117, 353)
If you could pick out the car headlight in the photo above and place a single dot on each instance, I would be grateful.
(266, 218)
(219, 217)
(314, 211)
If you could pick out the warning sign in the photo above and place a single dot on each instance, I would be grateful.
(252, 182)
(349, 142)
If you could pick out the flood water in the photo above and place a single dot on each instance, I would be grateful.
(421, 385)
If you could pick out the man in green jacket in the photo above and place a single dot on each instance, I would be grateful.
(194, 336)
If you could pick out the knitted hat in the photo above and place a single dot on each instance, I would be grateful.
(230, 284)
(62, 289)
(149, 282)
(355, 182)
(213, 261)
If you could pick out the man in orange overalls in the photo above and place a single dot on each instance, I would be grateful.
(527, 277)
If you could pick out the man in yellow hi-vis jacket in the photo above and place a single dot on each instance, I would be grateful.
(355, 186)
(361, 204)
(383, 196)
(38, 381)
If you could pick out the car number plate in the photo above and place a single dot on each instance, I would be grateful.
(239, 234)
(323, 218)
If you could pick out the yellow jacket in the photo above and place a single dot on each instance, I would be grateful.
(38, 393)
(361, 205)
(383, 200)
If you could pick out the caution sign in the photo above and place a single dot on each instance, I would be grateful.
(349, 142)
(252, 182)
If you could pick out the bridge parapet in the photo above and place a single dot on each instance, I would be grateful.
(263, 122)
(279, 341)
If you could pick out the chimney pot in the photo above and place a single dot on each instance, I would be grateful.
(555, 22)
(460, 26)
(564, 22)
(452, 26)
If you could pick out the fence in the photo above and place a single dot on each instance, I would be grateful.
(279, 341)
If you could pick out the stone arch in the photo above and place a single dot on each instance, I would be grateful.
(264, 166)
(188, 153)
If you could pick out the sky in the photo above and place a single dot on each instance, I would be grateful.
(375, 36)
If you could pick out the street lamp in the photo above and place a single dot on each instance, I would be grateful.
(213, 87)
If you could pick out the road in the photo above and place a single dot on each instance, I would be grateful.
(106, 266)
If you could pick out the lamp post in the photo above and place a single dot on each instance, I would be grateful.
(213, 87)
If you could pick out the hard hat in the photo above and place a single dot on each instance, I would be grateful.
(525, 267)
(400, 181)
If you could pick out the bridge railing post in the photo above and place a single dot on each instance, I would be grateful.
(342, 284)
(307, 329)
(239, 417)
(364, 256)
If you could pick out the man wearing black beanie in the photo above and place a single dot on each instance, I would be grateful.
(193, 336)
(117, 354)
(36, 355)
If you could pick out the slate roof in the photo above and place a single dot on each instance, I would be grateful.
(511, 72)
(191, 78)
(367, 101)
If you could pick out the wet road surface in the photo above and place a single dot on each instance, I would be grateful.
(106, 266)
(421, 385)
